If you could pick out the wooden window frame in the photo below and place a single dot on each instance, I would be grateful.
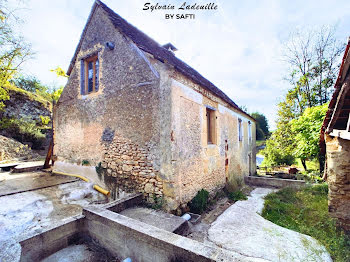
(211, 126)
(87, 60)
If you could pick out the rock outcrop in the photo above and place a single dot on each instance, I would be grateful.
(11, 149)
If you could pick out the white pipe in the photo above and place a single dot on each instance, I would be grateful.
(186, 217)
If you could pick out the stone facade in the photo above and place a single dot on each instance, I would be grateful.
(127, 167)
(145, 129)
(338, 172)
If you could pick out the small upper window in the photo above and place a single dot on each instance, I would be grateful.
(89, 75)
(210, 126)
(250, 131)
(240, 130)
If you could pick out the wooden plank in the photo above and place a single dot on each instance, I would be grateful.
(48, 155)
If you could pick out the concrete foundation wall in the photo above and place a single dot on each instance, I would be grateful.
(123, 237)
(44, 244)
(126, 237)
(273, 182)
(338, 178)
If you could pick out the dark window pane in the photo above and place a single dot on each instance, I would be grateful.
(90, 77)
(82, 77)
(208, 127)
(96, 76)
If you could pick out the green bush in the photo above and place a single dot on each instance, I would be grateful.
(200, 202)
(85, 162)
(236, 196)
(158, 202)
(45, 120)
(23, 130)
(306, 211)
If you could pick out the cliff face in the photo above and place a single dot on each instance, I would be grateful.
(26, 118)
(25, 105)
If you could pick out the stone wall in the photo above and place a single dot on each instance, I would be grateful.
(121, 119)
(143, 132)
(197, 164)
(128, 167)
(338, 172)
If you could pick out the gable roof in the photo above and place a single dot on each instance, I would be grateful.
(160, 53)
(334, 110)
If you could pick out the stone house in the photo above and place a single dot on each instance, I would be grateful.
(133, 116)
(335, 143)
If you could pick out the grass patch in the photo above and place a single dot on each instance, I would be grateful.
(237, 195)
(200, 202)
(260, 142)
(306, 211)
(312, 165)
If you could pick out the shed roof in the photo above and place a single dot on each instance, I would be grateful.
(160, 53)
(337, 115)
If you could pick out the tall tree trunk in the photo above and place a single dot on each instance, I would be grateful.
(303, 162)
(321, 161)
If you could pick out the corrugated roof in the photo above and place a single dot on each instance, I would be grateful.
(160, 53)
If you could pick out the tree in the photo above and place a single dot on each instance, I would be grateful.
(279, 147)
(312, 56)
(307, 133)
(262, 126)
(29, 83)
(13, 49)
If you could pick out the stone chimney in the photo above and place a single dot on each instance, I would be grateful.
(170, 47)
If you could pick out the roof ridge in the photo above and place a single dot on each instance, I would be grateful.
(149, 45)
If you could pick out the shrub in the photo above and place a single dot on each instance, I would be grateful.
(85, 162)
(158, 202)
(45, 120)
(200, 202)
(237, 195)
(23, 130)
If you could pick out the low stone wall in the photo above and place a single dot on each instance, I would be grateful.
(273, 182)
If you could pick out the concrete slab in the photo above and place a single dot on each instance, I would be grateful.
(28, 166)
(241, 229)
(32, 182)
(155, 218)
(75, 253)
(32, 212)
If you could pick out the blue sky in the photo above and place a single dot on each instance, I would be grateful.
(237, 47)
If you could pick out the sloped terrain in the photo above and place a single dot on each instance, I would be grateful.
(11, 149)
